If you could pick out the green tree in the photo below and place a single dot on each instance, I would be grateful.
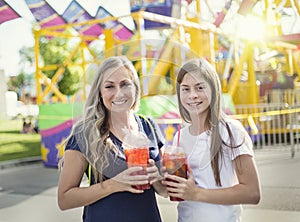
(27, 55)
(55, 51)
(16, 82)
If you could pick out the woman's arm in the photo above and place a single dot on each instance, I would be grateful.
(71, 195)
(247, 191)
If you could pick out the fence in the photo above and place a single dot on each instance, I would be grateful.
(271, 124)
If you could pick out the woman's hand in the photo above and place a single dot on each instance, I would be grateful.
(129, 177)
(181, 187)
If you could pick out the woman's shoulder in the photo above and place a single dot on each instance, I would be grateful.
(151, 129)
(72, 143)
(145, 118)
(147, 123)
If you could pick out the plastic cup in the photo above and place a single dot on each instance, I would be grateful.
(137, 153)
(174, 159)
(138, 157)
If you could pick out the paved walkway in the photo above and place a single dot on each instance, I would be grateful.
(33, 198)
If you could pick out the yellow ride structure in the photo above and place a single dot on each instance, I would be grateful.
(188, 36)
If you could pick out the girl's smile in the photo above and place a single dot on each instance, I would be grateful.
(195, 94)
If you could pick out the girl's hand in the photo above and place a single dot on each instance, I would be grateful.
(129, 177)
(156, 179)
(181, 187)
(153, 172)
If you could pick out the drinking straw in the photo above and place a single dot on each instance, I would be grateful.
(178, 138)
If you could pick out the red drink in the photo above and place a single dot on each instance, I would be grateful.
(138, 157)
(175, 164)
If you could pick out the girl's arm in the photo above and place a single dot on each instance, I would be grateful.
(71, 195)
(156, 179)
(247, 191)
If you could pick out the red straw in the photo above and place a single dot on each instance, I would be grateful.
(178, 138)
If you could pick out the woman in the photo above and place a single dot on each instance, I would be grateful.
(221, 167)
(96, 141)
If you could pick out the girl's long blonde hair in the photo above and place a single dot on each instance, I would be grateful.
(215, 114)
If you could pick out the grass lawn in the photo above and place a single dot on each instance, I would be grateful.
(14, 145)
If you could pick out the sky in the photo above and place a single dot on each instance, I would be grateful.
(17, 33)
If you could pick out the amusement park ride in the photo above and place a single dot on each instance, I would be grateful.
(188, 36)
(184, 34)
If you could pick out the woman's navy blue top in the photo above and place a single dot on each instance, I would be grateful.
(126, 206)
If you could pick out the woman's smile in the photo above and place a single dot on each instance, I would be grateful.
(120, 102)
(118, 91)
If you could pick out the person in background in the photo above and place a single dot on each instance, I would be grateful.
(222, 172)
(28, 127)
(95, 148)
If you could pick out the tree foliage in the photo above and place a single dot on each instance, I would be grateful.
(54, 52)
(27, 55)
(15, 83)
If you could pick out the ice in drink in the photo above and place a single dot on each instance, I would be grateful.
(138, 157)
(174, 160)
(137, 154)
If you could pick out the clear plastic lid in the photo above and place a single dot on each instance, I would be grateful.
(175, 150)
(134, 139)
